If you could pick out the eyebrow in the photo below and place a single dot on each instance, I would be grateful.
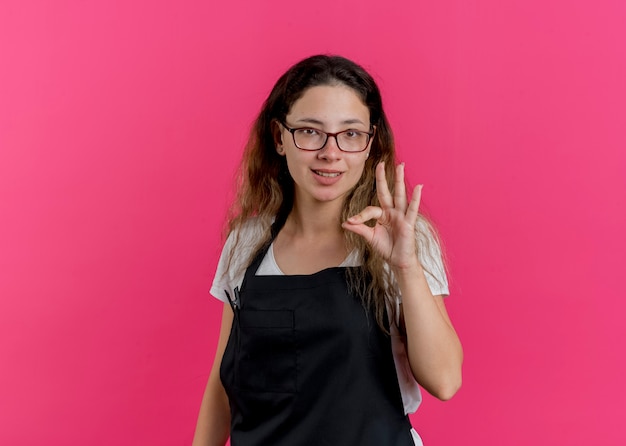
(320, 123)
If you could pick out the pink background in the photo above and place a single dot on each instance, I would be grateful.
(121, 123)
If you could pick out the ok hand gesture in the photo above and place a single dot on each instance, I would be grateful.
(393, 236)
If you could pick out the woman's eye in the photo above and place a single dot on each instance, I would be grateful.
(310, 132)
(352, 133)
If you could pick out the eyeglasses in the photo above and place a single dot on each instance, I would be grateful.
(306, 138)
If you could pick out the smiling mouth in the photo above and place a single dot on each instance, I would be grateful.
(327, 174)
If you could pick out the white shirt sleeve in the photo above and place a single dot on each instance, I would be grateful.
(228, 277)
(430, 258)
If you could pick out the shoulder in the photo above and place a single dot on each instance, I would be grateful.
(246, 236)
(236, 252)
(424, 230)
(431, 257)
(427, 239)
(241, 243)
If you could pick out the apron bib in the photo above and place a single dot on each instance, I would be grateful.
(306, 364)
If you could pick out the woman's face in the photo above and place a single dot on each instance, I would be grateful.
(327, 174)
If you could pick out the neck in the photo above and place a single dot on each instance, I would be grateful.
(313, 220)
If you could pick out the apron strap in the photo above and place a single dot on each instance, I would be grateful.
(260, 254)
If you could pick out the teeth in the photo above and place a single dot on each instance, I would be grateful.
(328, 174)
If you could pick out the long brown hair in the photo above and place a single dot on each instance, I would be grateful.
(266, 190)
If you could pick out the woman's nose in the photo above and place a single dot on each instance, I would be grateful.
(330, 150)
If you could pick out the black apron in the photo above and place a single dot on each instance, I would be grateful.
(307, 365)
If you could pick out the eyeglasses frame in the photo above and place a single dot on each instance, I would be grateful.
(292, 130)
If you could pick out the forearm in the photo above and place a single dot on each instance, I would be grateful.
(213, 425)
(434, 350)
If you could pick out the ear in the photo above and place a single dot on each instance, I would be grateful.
(277, 134)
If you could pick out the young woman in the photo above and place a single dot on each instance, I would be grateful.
(333, 282)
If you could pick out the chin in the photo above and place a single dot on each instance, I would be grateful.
(329, 198)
